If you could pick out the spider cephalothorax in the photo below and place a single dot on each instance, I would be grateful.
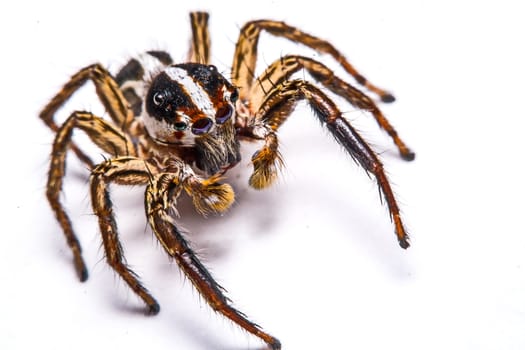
(176, 128)
(193, 105)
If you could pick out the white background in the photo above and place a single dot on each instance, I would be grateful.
(314, 259)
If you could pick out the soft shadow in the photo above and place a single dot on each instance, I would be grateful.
(206, 340)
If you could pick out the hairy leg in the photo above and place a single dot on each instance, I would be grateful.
(104, 135)
(108, 92)
(243, 67)
(158, 207)
(125, 171)
(281, 70)
(278, 106)
(200, 39)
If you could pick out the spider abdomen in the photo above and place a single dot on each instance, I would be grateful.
(132, 77)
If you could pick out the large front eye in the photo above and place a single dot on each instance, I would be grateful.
(201, 126)
(223, 114)
(159, 98)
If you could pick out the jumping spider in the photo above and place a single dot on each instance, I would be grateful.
(178, 127)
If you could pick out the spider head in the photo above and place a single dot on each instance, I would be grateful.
(188, 101)
(193, 105)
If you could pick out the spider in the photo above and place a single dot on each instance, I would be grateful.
(177, 127)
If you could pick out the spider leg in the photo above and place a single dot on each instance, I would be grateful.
(200, 39)
(126, 171)
(276, 108)
(108, 92)
(104, 135)
(282, 69)
(245, 57)
(135, 171)
(158, 204)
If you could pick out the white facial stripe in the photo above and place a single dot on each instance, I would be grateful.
(196, 93)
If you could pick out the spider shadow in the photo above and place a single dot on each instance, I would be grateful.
(191, 326)
(358, 220)
(252, 214)
(204, 339)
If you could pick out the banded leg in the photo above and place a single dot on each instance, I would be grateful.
(108, 92)
(158, 204)
(245, 57)
(200, 39)
(105, 136)
(279, 104)
(282, 69)
(135, 171)
(125, 171)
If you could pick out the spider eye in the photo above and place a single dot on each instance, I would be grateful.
(223, 114)
(201, 126)
(159, 98)
(234, 96)
(180, 126)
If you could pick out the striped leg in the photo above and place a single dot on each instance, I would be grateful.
(127, 171)
(274, 111)
(207, 196)
(282, 69)
(245, 57)
(158, 204)
(105, 136)
(108, 92)
(200, 40)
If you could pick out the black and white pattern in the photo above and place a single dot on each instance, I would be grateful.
(133, 76)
